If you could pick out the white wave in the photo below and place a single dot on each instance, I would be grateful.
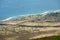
(13, 17)
(57, 11)
(51, 11)
(9, 18)
(44, 13)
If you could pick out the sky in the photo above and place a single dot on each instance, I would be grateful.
(22, 7)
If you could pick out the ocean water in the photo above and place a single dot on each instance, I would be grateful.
(10, 8)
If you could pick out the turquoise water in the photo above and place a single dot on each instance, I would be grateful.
(10, 8)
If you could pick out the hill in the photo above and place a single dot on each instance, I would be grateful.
(31, 26)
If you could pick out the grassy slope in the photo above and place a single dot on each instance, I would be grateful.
(49, 38)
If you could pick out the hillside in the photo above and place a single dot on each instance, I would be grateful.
(30, 27)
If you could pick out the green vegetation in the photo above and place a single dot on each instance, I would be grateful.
(55, 38)
(49, 38)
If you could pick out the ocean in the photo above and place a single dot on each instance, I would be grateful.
(10, 8)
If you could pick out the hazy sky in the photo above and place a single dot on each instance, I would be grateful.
(19, 7)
